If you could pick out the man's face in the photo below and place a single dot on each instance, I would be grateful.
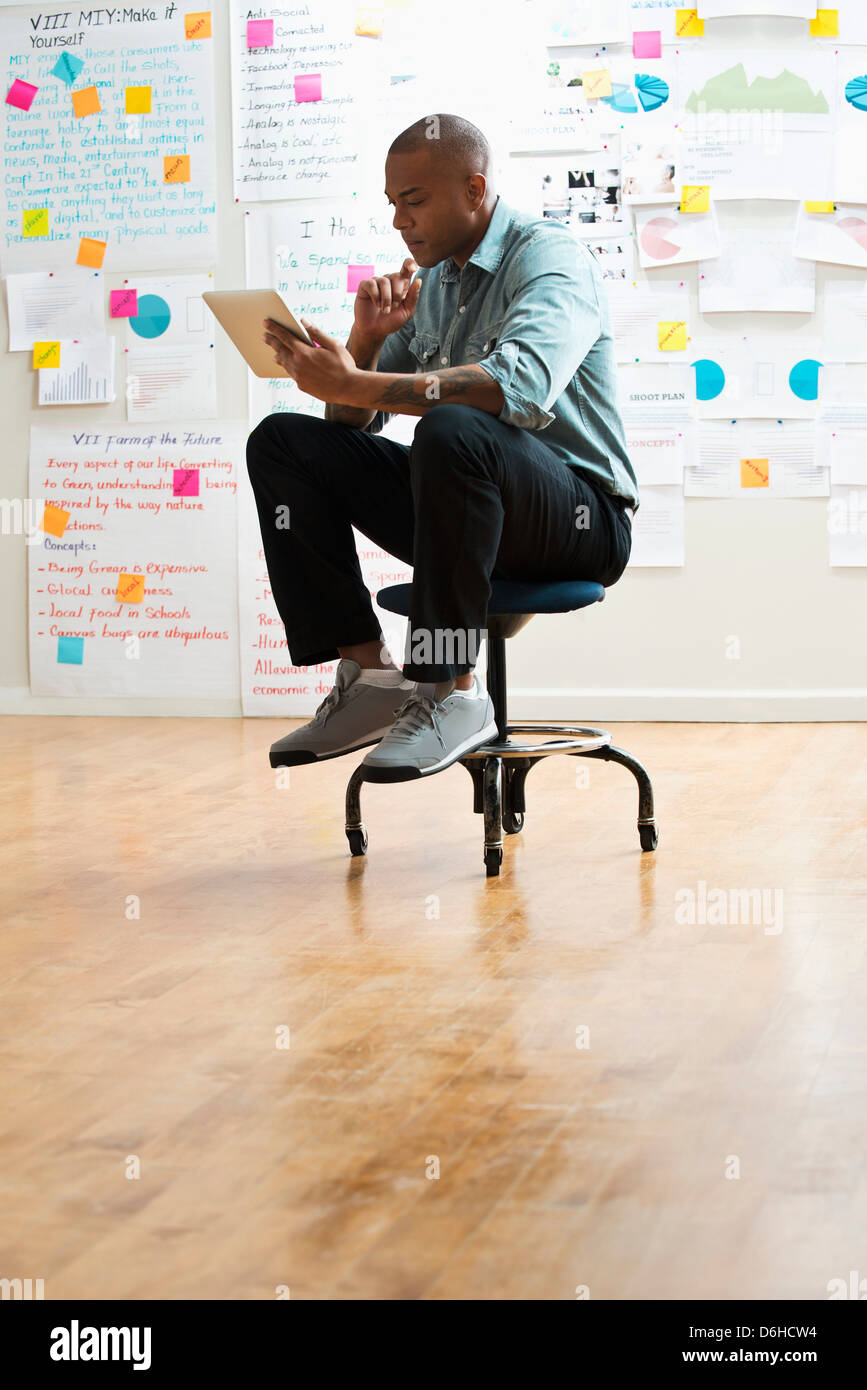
(434, 210)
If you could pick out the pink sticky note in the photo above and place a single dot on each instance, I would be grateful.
(356, 273)
(21, 94)
(185, 482)
(647, 43)
(308, 87)
(260, 33)
(124, 303)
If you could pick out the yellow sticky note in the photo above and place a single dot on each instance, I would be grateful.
(826, 25)
(671, 336)
(197, 26)
(138, 101)
(34, 222)
(819, 207)
(86, 101)
(695, 197)
(91, 252)
(687, 24)
(130, 588)
(754, 472)
(368, 23)
(176, 168)
(54, 520)
(46, 354)
(597, 82)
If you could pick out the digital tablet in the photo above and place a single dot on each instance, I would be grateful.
(241, 313)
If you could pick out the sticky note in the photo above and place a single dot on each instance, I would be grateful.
(138, 101)
(647, 43)
(185, 482)
(671, 336)
(368, 22)
(85, 102)
(124, 303)
(21, 94)
(91, 251)
(198, 26)
(597, 82)
(34, 222)
(70, 650)
(46, 354)
(176, 168)
(308, 87)
(67, 68)
(695, 197)
(687, 24)
(130, 588)
(260, 33)
(54, 520)
(819, 207)
(826, 25)
(754, 472)
(356, 273)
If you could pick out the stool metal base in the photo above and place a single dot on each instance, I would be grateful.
(499, 771)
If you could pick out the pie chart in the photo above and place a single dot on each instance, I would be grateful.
(804, 379)
(856, 93)
(710, 379)
(650, 90)
(856, 228)
(654, 238)
(153, 317)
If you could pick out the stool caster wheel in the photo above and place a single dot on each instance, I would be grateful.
(493, 860)
(357, 841)
(649, 836)
(513, 822)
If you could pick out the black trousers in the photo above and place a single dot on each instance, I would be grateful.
(472, 499)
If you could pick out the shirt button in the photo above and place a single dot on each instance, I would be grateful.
(463, 309)
(444, 361)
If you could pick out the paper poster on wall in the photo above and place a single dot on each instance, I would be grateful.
(796, 9)
(839, 237)
(668, 18)
(667, 236)
(844, 24)
(113, 159)
(85, 374)
(658, 455)
(757, 270)
(845, 309)
(658, 528)
(130, 592)
(170, 357)
(594, 21)
(760, 375)
(650, 322)
(42, 306)
(582, 192)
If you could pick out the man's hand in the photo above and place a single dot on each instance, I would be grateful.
(383, 305)
(326, 371)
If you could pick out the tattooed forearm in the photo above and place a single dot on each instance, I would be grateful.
(417, 394)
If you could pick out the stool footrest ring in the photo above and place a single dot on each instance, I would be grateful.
(574, 738)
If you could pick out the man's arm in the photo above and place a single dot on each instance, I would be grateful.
(366, 356)
(416, 394)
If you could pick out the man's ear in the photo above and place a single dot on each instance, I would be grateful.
(477, 187)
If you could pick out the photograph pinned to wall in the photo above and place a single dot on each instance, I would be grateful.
(583, 192)
(649, 168)
(616, 256)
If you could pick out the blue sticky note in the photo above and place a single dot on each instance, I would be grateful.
(67, 68)
(70, 650)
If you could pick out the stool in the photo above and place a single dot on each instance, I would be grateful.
(499, 769)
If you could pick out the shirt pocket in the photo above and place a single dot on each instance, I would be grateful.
(424, 348)
(483, 341)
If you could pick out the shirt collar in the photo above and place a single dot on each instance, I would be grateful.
(489, 251)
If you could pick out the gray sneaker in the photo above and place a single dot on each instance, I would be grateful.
(351, 716)
(429, 735)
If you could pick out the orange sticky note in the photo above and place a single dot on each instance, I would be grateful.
(130, 588)
(176, 168)
(91, 252)
(826, 25)
(85, 102)
(34, 222)
(597, 82)
(46, 354)
(197, 26)
(754, 472)
(695, 197)
(687, 24)
(54, 520)
(368, 23)
(138, 101)
(671, 336)
(819, 207)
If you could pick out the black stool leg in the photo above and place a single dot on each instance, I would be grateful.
(648, 831)
(476, 768)
(356, 833)
(493, 817)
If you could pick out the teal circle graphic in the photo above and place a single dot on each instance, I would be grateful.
(153, 317)
(856, 93)
(710, 379)
(804, 379)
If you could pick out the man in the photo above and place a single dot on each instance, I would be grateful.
(518, 468)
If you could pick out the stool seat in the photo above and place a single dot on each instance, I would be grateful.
(514, 596)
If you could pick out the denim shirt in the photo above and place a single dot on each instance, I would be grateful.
(530, 308)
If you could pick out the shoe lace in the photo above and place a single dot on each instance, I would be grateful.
(328, 705)
(417, 712)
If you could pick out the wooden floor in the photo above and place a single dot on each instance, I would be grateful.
(433, 1016)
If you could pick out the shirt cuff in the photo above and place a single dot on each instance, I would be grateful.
(517, 409)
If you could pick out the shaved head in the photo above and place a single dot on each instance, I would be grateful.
(438, 178)
(449, 138)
